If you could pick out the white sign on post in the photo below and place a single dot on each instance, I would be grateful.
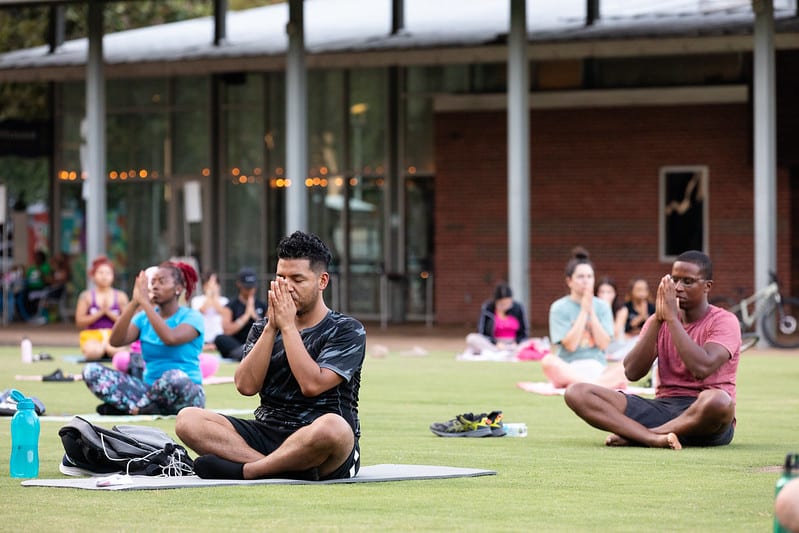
(192, 201)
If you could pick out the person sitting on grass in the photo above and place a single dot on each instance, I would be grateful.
(580, 330)
(501, 327)
(697, 346)
(305, 362)
(171, 341)
(211, 305)
(239, 315)
(97, 310)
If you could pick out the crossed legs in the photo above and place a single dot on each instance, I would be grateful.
(562, 374)
(324, 444)
(604, 409)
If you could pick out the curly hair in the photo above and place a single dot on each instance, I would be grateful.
(301, 245)
(183, 274)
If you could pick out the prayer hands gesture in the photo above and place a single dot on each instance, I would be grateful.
(141, 289)
(212, 288)
(666, 303)
(282, 310)
(587, 301)
(249, 308)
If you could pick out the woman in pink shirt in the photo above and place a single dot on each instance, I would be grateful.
(501, 328)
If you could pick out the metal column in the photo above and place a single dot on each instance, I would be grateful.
(296, 122)
(764, 145)
(518, 155)
(220, 22)
(95, 135)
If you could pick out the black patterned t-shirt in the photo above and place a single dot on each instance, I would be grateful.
(337, 343)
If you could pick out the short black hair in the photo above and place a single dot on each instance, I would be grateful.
(700, 259)
(301, 245)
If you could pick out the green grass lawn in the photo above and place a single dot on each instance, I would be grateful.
(559, 478)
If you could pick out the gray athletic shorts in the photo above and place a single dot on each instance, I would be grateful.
(266, 438)
(655, 412)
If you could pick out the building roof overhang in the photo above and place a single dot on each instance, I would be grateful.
(475, 32)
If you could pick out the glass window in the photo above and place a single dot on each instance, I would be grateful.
(191, 92)
(489, 78)
(662, 71)
(366, 186)
(683, 210)
(275, 146)
(418, 134)
(326, 115)
(136, 94)
(242, 173)
(191, 124)
(148, 141)
(135, 145)
(419, 208)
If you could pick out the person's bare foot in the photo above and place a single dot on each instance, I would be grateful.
(670, 440)
(674, 442)
(615, 440)
(664, 441)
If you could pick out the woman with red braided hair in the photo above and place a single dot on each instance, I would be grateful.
(171, 341)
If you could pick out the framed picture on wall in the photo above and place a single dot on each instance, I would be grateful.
(683, 210)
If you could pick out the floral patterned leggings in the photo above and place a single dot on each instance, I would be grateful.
(167, 395)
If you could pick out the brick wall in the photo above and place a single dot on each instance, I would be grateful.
(594, 182)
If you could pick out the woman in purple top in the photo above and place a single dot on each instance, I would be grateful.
(97, 311)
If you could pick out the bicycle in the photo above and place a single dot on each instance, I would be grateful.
(776, 312)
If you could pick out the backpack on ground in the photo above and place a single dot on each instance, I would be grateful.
(136, 450)
(8, 406)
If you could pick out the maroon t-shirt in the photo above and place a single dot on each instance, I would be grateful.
(718, 326)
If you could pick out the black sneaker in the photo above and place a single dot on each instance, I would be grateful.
(494, 419)
(58, 375)
(465, 425)
(112, 410)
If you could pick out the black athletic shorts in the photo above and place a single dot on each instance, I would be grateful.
(267, 438)
(655, 412)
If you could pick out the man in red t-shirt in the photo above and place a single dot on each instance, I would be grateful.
(697, 346)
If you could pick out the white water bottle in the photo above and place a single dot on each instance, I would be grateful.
(515, 429)
(26, 349)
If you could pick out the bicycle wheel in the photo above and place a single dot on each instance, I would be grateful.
(780, 324)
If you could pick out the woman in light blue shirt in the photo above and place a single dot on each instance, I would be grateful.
(580, 329)
(171, 341)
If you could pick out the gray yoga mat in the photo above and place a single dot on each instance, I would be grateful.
(94, 417)
(384, 472)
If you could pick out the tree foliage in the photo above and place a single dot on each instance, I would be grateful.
(27, 27)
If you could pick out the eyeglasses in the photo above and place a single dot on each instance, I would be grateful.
(686, 282)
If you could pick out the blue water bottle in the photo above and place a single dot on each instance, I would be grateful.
(24, 438)
(789, 471)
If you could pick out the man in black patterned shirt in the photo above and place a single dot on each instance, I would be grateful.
(305, 362)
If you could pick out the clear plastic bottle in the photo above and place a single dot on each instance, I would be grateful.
(24, 438)
(789, 471)
(26, 350)
(518, 429)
